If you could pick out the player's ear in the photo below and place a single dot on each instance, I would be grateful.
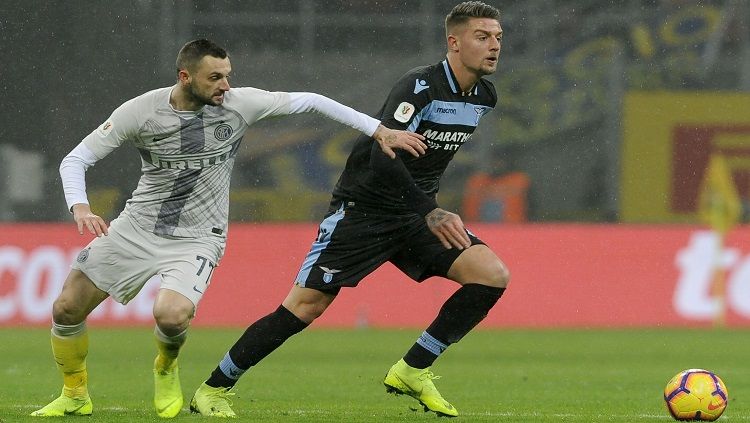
(183, 76)
(452, 43)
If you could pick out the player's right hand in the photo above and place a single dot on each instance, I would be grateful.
(449, 228)
(84, 217)
(390, 139)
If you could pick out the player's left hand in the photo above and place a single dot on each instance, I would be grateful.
(390, 139)
(449, 228)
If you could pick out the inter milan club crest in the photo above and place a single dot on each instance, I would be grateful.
(83, 255)
(223, 132)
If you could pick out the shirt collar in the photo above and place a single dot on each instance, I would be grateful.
(454, 83)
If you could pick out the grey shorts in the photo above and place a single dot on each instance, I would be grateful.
(123, 261)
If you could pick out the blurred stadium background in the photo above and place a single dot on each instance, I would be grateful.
(610, 112)
(613, 178)
(566, 69)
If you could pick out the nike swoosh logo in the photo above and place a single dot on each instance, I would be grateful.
(161, 410)
(195, 288)
(712, 406)
(420, 85)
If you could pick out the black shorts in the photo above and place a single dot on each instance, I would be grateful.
(352, 243)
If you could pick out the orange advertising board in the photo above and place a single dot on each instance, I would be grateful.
(668, 140)
(562, 276)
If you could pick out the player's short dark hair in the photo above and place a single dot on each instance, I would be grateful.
(193, 51)
(462, 12)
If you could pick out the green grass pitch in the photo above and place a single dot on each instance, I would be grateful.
(335, 375)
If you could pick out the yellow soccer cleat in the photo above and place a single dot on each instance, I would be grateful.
(66, 406)
(214, 402)
(417, 383)
(167, 392)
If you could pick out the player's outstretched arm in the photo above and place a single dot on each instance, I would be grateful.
(84, 217)
(449, 228)
(390, 139)
(72, 172)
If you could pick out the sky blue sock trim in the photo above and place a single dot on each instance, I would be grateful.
(431, 344)
(230, 369)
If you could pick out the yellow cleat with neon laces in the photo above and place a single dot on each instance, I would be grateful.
(66, 406)
(167, 392)
(214, 402)
(403, 379)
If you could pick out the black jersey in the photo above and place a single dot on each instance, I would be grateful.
(426, 100)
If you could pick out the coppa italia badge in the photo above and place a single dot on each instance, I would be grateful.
(694, 297)
(403, 112)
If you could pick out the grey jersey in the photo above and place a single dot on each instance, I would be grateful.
(187, 157)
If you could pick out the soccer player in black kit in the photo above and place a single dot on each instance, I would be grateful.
(384, 210)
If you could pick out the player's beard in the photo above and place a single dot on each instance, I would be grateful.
(206, 100)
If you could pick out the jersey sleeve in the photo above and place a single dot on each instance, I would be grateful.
(311, 102)
(255, 104)
(407, 97)
(120, 126)
(72, 173)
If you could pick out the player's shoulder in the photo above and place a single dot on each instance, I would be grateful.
(148, 101)
(417, 81)
(421, 71)
(153, 96)
(139, 109)
(487, 89)
(239, 92)
(249, 96)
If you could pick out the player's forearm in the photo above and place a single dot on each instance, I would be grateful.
(310, 102)
(394, 173)
(73, 174)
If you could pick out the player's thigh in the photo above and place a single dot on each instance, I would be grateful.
(121, 262)
(186, 267)
(422, 255)
(349, 246)
(479, 264)
(78, 298)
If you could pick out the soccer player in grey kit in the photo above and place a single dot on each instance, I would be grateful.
(385, 210)
(175, 223)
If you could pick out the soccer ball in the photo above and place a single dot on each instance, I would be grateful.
(696, 394)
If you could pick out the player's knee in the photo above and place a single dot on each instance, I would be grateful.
(495, 274)
(308, 304)
(173, 319)
(308, 312)
(65, 311)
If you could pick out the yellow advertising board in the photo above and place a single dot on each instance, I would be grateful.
(669, 139)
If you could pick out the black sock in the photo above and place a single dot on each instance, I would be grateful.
(460, 313)
(259, 340)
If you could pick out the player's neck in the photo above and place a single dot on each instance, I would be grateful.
(465, 77)
(182, 101)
